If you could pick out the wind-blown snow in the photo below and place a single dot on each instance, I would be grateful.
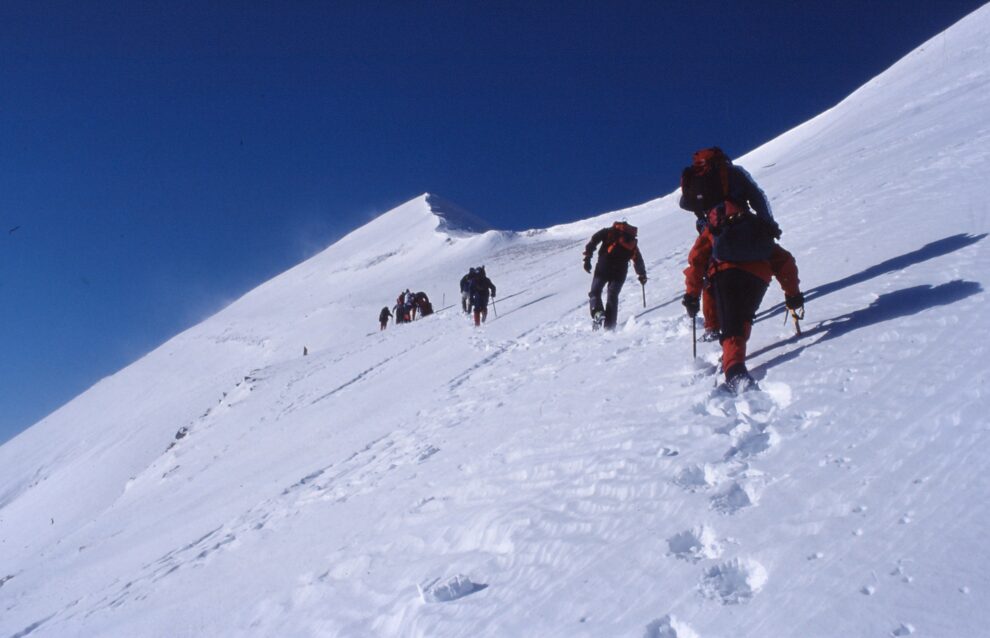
(454, 219)
(535, 478)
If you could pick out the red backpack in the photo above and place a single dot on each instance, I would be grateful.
(621, 234)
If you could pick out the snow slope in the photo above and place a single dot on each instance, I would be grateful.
(533, 478)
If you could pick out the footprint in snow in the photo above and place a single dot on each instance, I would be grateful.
(668, 627)
(755, 405)
(695, 544)
(448, 589)
(753, 443)
(739, 495)
(734, 582)
(899, 572)
(700, 477)
(426, 453)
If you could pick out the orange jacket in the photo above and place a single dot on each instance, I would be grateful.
(780, 265)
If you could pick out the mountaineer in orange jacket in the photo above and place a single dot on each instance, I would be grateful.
(738, 289)
(736, 253)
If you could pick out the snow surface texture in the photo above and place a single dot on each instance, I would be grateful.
(535, 478)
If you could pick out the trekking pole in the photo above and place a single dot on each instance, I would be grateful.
(494, 309)
(694, 338)
(644, 293)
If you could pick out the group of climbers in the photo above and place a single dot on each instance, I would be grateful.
(406, 306)
(729, 267)
(477, 290)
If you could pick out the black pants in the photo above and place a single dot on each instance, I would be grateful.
(598, 283)
(738, 295)
(479, 301)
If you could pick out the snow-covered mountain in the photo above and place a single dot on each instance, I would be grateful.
(535, 478)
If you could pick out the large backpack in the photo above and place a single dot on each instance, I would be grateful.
(621, 234)
(705, 184)
(739, 235)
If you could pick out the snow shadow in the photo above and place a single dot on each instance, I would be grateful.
(892, 305)
(515, 294)
(448, 307)
(528, 303)
(659, 306)
(928, 251)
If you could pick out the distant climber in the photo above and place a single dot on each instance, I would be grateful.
(481, 288)
(422, 303)
(401, 312)
(466, 291)
(383, 318)
(619, 246)
(409, 303)
(734, 256)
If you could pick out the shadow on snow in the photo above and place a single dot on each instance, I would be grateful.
(892, 305)
(928, 251)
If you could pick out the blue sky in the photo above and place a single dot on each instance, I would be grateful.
(159, 159)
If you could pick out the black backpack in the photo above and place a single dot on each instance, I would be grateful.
(705, 184)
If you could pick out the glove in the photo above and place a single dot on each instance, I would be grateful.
(772, 229)
(587, 265)
(642, 279)
(794, 302)
(692, 304)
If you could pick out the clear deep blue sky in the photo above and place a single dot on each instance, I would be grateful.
(159, 159)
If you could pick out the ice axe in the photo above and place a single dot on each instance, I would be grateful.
(797, 315)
